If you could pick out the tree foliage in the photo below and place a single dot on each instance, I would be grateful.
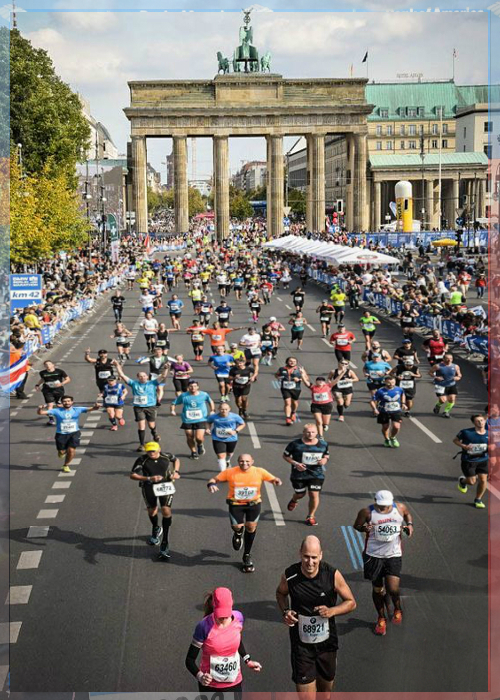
(297, 201)
(239, 205)
(45, 115)
(165, 200)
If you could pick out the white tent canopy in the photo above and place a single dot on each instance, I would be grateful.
(331, 252)
(362, 256)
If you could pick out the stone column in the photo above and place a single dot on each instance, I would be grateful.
(481, 207)
(275, 185)
(377, 205)
(309, 192)
(349, 206)
(429, 203)
(221, 177)
(140, 184)
(316, 144)
(455, 199)
(181, 203)
(359, 190)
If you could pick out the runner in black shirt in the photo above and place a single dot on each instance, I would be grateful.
(118, 302)
(52, 382)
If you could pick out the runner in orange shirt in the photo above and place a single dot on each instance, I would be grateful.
(244, 502)
(218, 334)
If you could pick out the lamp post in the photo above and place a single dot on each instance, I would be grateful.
(422, 208)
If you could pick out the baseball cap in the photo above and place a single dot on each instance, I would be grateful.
(192, 381)
(406, 340)
(384, 498)
(152, 447)
(222, 602)
(272, 318)
(102, 352)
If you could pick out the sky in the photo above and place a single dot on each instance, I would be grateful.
(97, 52)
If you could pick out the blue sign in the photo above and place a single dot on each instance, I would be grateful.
(25, 290)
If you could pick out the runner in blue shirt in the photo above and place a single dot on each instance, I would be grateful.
(196, 406)
(175, 306)
(474, 445)
(114, 394)
(221, 362)
(67, 427)
(375, 371)
(144, 397)
(225, 428)
(388, 405)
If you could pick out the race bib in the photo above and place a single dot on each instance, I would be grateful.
(113, 400)
(121, 339)
(69, 426)
(223, 432)
(321, 398)
(438, 357)
(223, 316)
(267, 343)
(255, 351)
(439, 389)
(225, 669)
(342, 341)
(140, 400)
(344, 384)
(52, 385)
(407, 319)
(222, 374)
(386, 532)
(104, 374)
(164, 489)
(311, 457)
(194, 414)
(197, 336)
(216, 337)
(477, 449)
(324, 319)
(241, 380)
(313, 630)
(245, 493)
(375, 375)
(287, 384)
(161, 343)
(392, 406)
(407, 383)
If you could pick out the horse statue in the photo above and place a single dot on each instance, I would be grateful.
(246, 54)
(223, 63)
(265, 62)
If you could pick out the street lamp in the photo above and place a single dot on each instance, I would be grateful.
(422, 210)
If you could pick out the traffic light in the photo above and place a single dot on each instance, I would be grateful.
(340, 206)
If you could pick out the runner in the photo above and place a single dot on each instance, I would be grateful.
(244, 502)
(368, 323)
(241, 377)
(341, 381)
(388, 404)
(218, 335)
(195, 410)
(308, 456)
(118, 302)
(196, 331)
(375, 371)
(67, 427)
(338, 298)
(113, 395)
(219, 636)
(130, 277)
(221, 362)
(406, 349)
(251, 341)
(175, 306)
(382, 524)
(52, 382)
(325, 311)
(225, 427)
(104, 367)
(298, 297)
(298, 323)
(474, 459)
(276, 329)
(181, 372)
(307, 598)
(144, 399)
(446, 375)
(375, 349)
(435, 347)
(342, 341)
(121, 336)
(204, 309)
(224, 313)
(156, 471)
(267, 344)
(322, 403)
(163, 338)
(291, 376)
(157, 363)
(149, 326)
(408, 316)
(255, 304)
(406, 374)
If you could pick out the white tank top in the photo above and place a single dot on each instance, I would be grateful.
(384, 540)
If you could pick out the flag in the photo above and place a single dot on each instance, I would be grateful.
(12, 377)
(147, 244)
(351, 70)
(365, 58)
(455, 53)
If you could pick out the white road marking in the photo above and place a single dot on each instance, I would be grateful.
(275, 506)
(56, 497)
(61, 484)
(85, 442)
(310, 327)
(25, 401)
(254, 436)
(425, 430)
(87, 433)
(326, 341)
(9, 632)
(494, 491)
(38, 531)
(279, 298)
(19, 595)
(47, 513)
(4, 671)
(287, 306)
(76, 461)
(29, 560)
(351, 364)
(14, 414)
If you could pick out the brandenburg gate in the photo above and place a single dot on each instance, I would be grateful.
(250, 103)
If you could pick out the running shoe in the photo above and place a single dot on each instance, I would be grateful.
(51, 421)
(164, 552)
(141, 448)
(156, 437)
(446, 414)
(114, 427)
(288, 421)
(294, 417)
(381, 626)
(66, 469)
(326, 428)
(341, 419)
(248, 566)
(237, 540)
(292, 504)
(397, 618)
(436, 410)
(462, 484)
(122, 421)
(311, 520)
(61, 453)
(394, 442)
(201, 449)
(387, 443)
(194, 455)
(155, 537)
(478, 503)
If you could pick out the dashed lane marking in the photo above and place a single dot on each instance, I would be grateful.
(352, 365)
(311, 327)
(61, 484)
(18, 595)
(29, 560)
(4, 672)
(425, 430)
(326, 341)
(275, 506)
(279, 298)
(55, 497)
(287, 306)
(254, 436)
(38, 531)
(494, 491)
(9, 633)
(47, 513)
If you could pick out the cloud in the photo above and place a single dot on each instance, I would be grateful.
(85, 21)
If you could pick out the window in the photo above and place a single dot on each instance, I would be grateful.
(402, 130)
(445, 128)
(384, 113)
(444, 143)
(434, 129)
(389, 130)
(488, 126)
(439, 111)
(412, 130)
(487, 150)
(379, 130)
(379, 145)
(412, 144)
(434, 143)
(421, 111)
(411, 112)
(388, 145)
(402, 145)
(465, 131)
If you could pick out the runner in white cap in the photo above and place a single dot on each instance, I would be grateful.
(383, 524)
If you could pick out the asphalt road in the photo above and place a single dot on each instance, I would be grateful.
(97, 612)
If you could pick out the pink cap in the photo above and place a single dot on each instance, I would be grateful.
(223, 602)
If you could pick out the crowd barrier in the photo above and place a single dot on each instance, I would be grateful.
(449, 329)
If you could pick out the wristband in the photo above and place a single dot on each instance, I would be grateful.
(246, 658)
(408, 524)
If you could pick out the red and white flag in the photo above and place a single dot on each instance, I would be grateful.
(12, 377)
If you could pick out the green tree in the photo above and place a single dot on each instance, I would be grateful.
(239, 205)
(4, 92)
(196, 202)
(258, 195)
(45, 115)
(297, 201)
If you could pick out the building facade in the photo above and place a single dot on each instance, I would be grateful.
(250, 176)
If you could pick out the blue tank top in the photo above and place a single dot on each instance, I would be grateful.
(448, 373)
